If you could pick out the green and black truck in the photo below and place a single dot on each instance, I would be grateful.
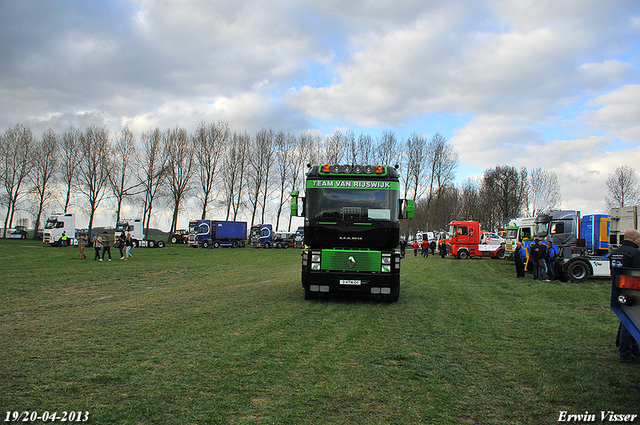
(352, 219)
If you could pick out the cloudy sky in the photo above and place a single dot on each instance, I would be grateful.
(533, 83)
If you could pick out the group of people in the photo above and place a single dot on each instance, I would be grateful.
(102, 245)
(542, 258)
(425, 247)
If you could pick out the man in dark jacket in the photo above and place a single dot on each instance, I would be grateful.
(627, 255)
(534, 252)
(551, 262)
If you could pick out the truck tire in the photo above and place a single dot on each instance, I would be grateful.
(216, 244)
(267, 245)
(309, 295)
(234, 244)
(160, 244)
(206, 244)
(174, 240)
(578, 271)
(151, 244)
(463, 254)
(285, 246)
(393, 296)
(500, 254)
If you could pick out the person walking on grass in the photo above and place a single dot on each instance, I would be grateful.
(106, 245)
(129, 243)
(122, 244)
(97, 245)
(82, 242)
(425, 249)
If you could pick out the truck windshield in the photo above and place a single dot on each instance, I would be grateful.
(352, 204)
(122, 227)
(193, 227)
(542, 229)
(51, 224)
(512, 233)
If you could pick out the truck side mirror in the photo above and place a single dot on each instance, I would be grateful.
(295, 207)
(407, 208)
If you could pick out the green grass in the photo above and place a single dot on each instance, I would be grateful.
(186, 336)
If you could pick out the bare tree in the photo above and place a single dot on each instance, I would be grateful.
(260, 164)
(93, 173)
(623, 188)
(180, 162)
(388, 151)
(152, 170)
(544, 192)
(366, 150)
(334, 148)
(506, 189)
(120, 176)
(70, 160)
(285, 146)
(234, 176)
(45, 165)
(16, 146)
(444, 160)
(209, 145)
(416, 163)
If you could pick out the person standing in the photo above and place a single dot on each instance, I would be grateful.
(443, 248)
(425, 249)
(520, 258)
(97, 246)
(627, 255)
(542, 262)
(551, 262)
(534, 252)
(122, 242)
(106, 245)
(82, 242)
(415, 247)
(129, 244)
(403, 247)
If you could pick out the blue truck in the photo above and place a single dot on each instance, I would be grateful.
(216, 233)
(261, 236)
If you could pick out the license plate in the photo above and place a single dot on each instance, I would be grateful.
(350, 282)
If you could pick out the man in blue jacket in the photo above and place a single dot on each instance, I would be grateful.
(551, 262)
(520, 257)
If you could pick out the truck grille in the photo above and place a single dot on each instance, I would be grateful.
(342, 259)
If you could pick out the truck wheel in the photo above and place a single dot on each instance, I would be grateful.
(309, 295)
(205, 244)
(234, 244)
(267, 245)
(500, 254)
(151, 244)
(463, 255)
(160, 244)
(174, 240)
(578, 271)
(394, 295)
(216, 244)
(285, 246)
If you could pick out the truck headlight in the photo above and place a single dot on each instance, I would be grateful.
(386, 268)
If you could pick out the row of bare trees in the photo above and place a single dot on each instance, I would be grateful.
(224, 173)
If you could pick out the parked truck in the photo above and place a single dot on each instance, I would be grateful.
(352, 228)
(56, 225)
(261, 236)
(466, 240)
(216, 233)
(134, 225)
(622, 219)
(519, 230)
(625, 298)
(582, 243)
(299, 238)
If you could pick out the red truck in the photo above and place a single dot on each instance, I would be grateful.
(466, 240)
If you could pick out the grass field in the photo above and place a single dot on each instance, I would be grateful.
(185, 336)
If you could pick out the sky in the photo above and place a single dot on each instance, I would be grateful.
(525, 83)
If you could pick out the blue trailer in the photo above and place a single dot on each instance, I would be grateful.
(216, 233)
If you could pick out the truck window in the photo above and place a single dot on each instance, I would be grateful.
(462, 230)
(557, 228)
(525, 233)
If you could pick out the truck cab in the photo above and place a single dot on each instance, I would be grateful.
(261, 236)
(466, 240)
(56, 225)
(134, 226)
(352, 228)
